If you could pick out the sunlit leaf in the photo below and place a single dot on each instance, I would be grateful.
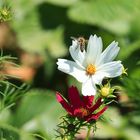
(31, 35)
(114, 16)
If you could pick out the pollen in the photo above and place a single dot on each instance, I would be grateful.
(91, 69)
(85, 112)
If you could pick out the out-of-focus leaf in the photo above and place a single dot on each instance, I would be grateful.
(49, 67)
(128, 49)
(30, 34)
(54, 42)
(74, 82)
(116, 121)
(26, 136)
(41, 112)
(8, 133)
(135, 119)
(39, 41)
(132, 88)
(138, 63)
(4, 115)
(131, 134)
(112, 125)
(135, 74)
(62, 2)
(114, 16)
(105, 130)
(109, 128)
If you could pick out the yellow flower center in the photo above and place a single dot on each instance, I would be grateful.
(91, 69)
(84, 112)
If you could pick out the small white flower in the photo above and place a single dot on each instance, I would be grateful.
(92, 66)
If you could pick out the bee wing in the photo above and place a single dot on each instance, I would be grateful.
(73, 38)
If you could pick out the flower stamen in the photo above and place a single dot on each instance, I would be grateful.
(91, 69)
(84, 112)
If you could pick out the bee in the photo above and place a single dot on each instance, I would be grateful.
(81, 42)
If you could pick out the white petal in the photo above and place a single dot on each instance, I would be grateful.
(88, 88)
(94, 49)
(76, 53)
(98, 77)
(109, 53)
(111, 69)
(73, 69)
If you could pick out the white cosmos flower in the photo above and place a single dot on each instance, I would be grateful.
(93, 65)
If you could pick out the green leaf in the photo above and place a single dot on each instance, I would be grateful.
(111, 125)
(4, 115)
(135, 119)
(135, 74)
(8, 133)
(64, 3)
(111, 96)
(41, 113)
(114, 16)
(131, 133)
(30, 34)
(54, 43)
(105, 131)
(128, 49)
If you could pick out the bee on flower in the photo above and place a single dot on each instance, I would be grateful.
(91, 66)
(81, 42)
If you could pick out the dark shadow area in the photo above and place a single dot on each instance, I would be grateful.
(132, 60)
(51, 16)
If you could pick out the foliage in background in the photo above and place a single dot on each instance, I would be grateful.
(45, 27)
(5, 11)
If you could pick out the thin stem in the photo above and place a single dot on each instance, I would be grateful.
(88, 133)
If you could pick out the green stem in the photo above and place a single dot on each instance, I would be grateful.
(88, 133)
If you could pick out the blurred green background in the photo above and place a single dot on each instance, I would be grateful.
(39, 33)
